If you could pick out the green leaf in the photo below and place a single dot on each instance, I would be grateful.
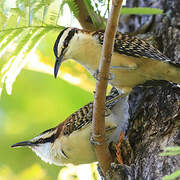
(171, 151)
(172, 176)
(72, 6)
(28, 42)
(141, 11)
(3, 19)
(11, 36)
(174, 148)
(97, 20)
(20, 32)
(12, 66)
(4, 34)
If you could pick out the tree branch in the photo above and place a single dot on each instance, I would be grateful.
(102, 152)
(85, 20)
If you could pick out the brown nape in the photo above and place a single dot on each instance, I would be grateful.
(59, 129)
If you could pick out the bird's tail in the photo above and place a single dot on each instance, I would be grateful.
(172, 72)
(168, 71)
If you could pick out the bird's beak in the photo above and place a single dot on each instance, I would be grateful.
(23, 143)
(57, 65)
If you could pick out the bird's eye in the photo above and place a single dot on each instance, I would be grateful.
(65, 43)
(40, 140)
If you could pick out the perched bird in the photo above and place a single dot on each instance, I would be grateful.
(69, 142)
(134, 61)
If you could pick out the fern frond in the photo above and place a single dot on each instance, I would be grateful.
(45, 9)
(3, 35)
(72, 6)
(12, 35)
(3, 19)
(96, 18)
(21, 29)
(28, 43)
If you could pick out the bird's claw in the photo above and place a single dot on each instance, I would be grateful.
(107, 112)
(93, 141)
(96, 76)
(111, 76)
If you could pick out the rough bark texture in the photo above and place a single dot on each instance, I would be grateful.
(154, 111)
(155, 125)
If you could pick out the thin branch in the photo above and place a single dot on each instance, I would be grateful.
(101, 148)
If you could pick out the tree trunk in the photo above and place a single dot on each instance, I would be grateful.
(154, 111)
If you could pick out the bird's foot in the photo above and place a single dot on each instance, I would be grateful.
(107, 112)
(94, 142)
(96, 75)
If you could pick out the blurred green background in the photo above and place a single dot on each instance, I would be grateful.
(38, 102)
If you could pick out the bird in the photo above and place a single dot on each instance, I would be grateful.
(134, 61)
(69, 142)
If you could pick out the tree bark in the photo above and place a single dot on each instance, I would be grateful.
(155, 124)
(154, 111)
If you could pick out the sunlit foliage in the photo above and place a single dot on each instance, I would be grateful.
(38, 102)
(23, 25)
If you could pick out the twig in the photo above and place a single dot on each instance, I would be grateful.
(101, 148)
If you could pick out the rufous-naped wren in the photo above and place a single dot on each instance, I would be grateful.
(134, 61)
(69, 142)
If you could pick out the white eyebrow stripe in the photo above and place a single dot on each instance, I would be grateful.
(61, 41)
(45, 135)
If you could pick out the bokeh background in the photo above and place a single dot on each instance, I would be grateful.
(38, 102)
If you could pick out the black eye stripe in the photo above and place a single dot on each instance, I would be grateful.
(65, 43)
(52, 129)
(57, 42)
(49, 139)
(67, 39)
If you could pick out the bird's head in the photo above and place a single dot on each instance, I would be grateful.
(61, 46)
(45, 146)
(78, 44)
